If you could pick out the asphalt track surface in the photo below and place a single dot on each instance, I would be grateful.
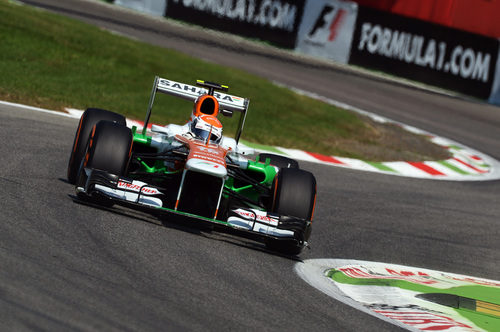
(66, 266)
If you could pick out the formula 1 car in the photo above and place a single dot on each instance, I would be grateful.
(193, 170)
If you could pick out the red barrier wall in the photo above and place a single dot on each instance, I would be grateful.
(478, 16)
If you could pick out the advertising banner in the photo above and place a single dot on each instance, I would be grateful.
(495, 90)
(276, 21)
(327, 28)
(153, 7)
(426, 52)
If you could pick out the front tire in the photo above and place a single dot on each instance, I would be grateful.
(109, 148)
(295, 196)
(87, 122)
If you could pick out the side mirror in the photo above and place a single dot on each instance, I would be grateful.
(227, 113)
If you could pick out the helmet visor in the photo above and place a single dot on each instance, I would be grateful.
(203, 135)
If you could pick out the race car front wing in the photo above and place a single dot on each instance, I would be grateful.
(104, 187)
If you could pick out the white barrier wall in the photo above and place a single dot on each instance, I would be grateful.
(495, 89)
(153, 7)
(327, 29)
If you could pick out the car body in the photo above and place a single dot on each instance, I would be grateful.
(168, 171)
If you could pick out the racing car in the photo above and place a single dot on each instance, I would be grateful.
(193, 170)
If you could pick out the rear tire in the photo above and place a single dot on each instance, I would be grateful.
(294, 195)
(279, 161)
(88, 120)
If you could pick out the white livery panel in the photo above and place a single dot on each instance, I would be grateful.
(191, 92)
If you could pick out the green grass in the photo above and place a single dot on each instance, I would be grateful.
(51, 61)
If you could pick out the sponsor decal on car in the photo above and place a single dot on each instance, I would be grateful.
(138, 187)
(212, 155)
(196, 91)
(258, 215)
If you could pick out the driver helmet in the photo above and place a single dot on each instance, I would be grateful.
(207, 125)
(206, 104)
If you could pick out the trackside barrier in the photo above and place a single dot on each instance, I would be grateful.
(275, 21)
(426, 52)
(344, 32)
(152, 7)
(327, 28)
(495, 90)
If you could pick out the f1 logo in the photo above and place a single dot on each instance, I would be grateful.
(327, 24)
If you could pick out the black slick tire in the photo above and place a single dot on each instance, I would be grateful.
(294, 195)
(88, 120)
(109, 148)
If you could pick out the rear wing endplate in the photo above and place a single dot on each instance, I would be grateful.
(191, 92)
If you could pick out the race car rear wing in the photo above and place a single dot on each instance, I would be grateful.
(190, 92)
